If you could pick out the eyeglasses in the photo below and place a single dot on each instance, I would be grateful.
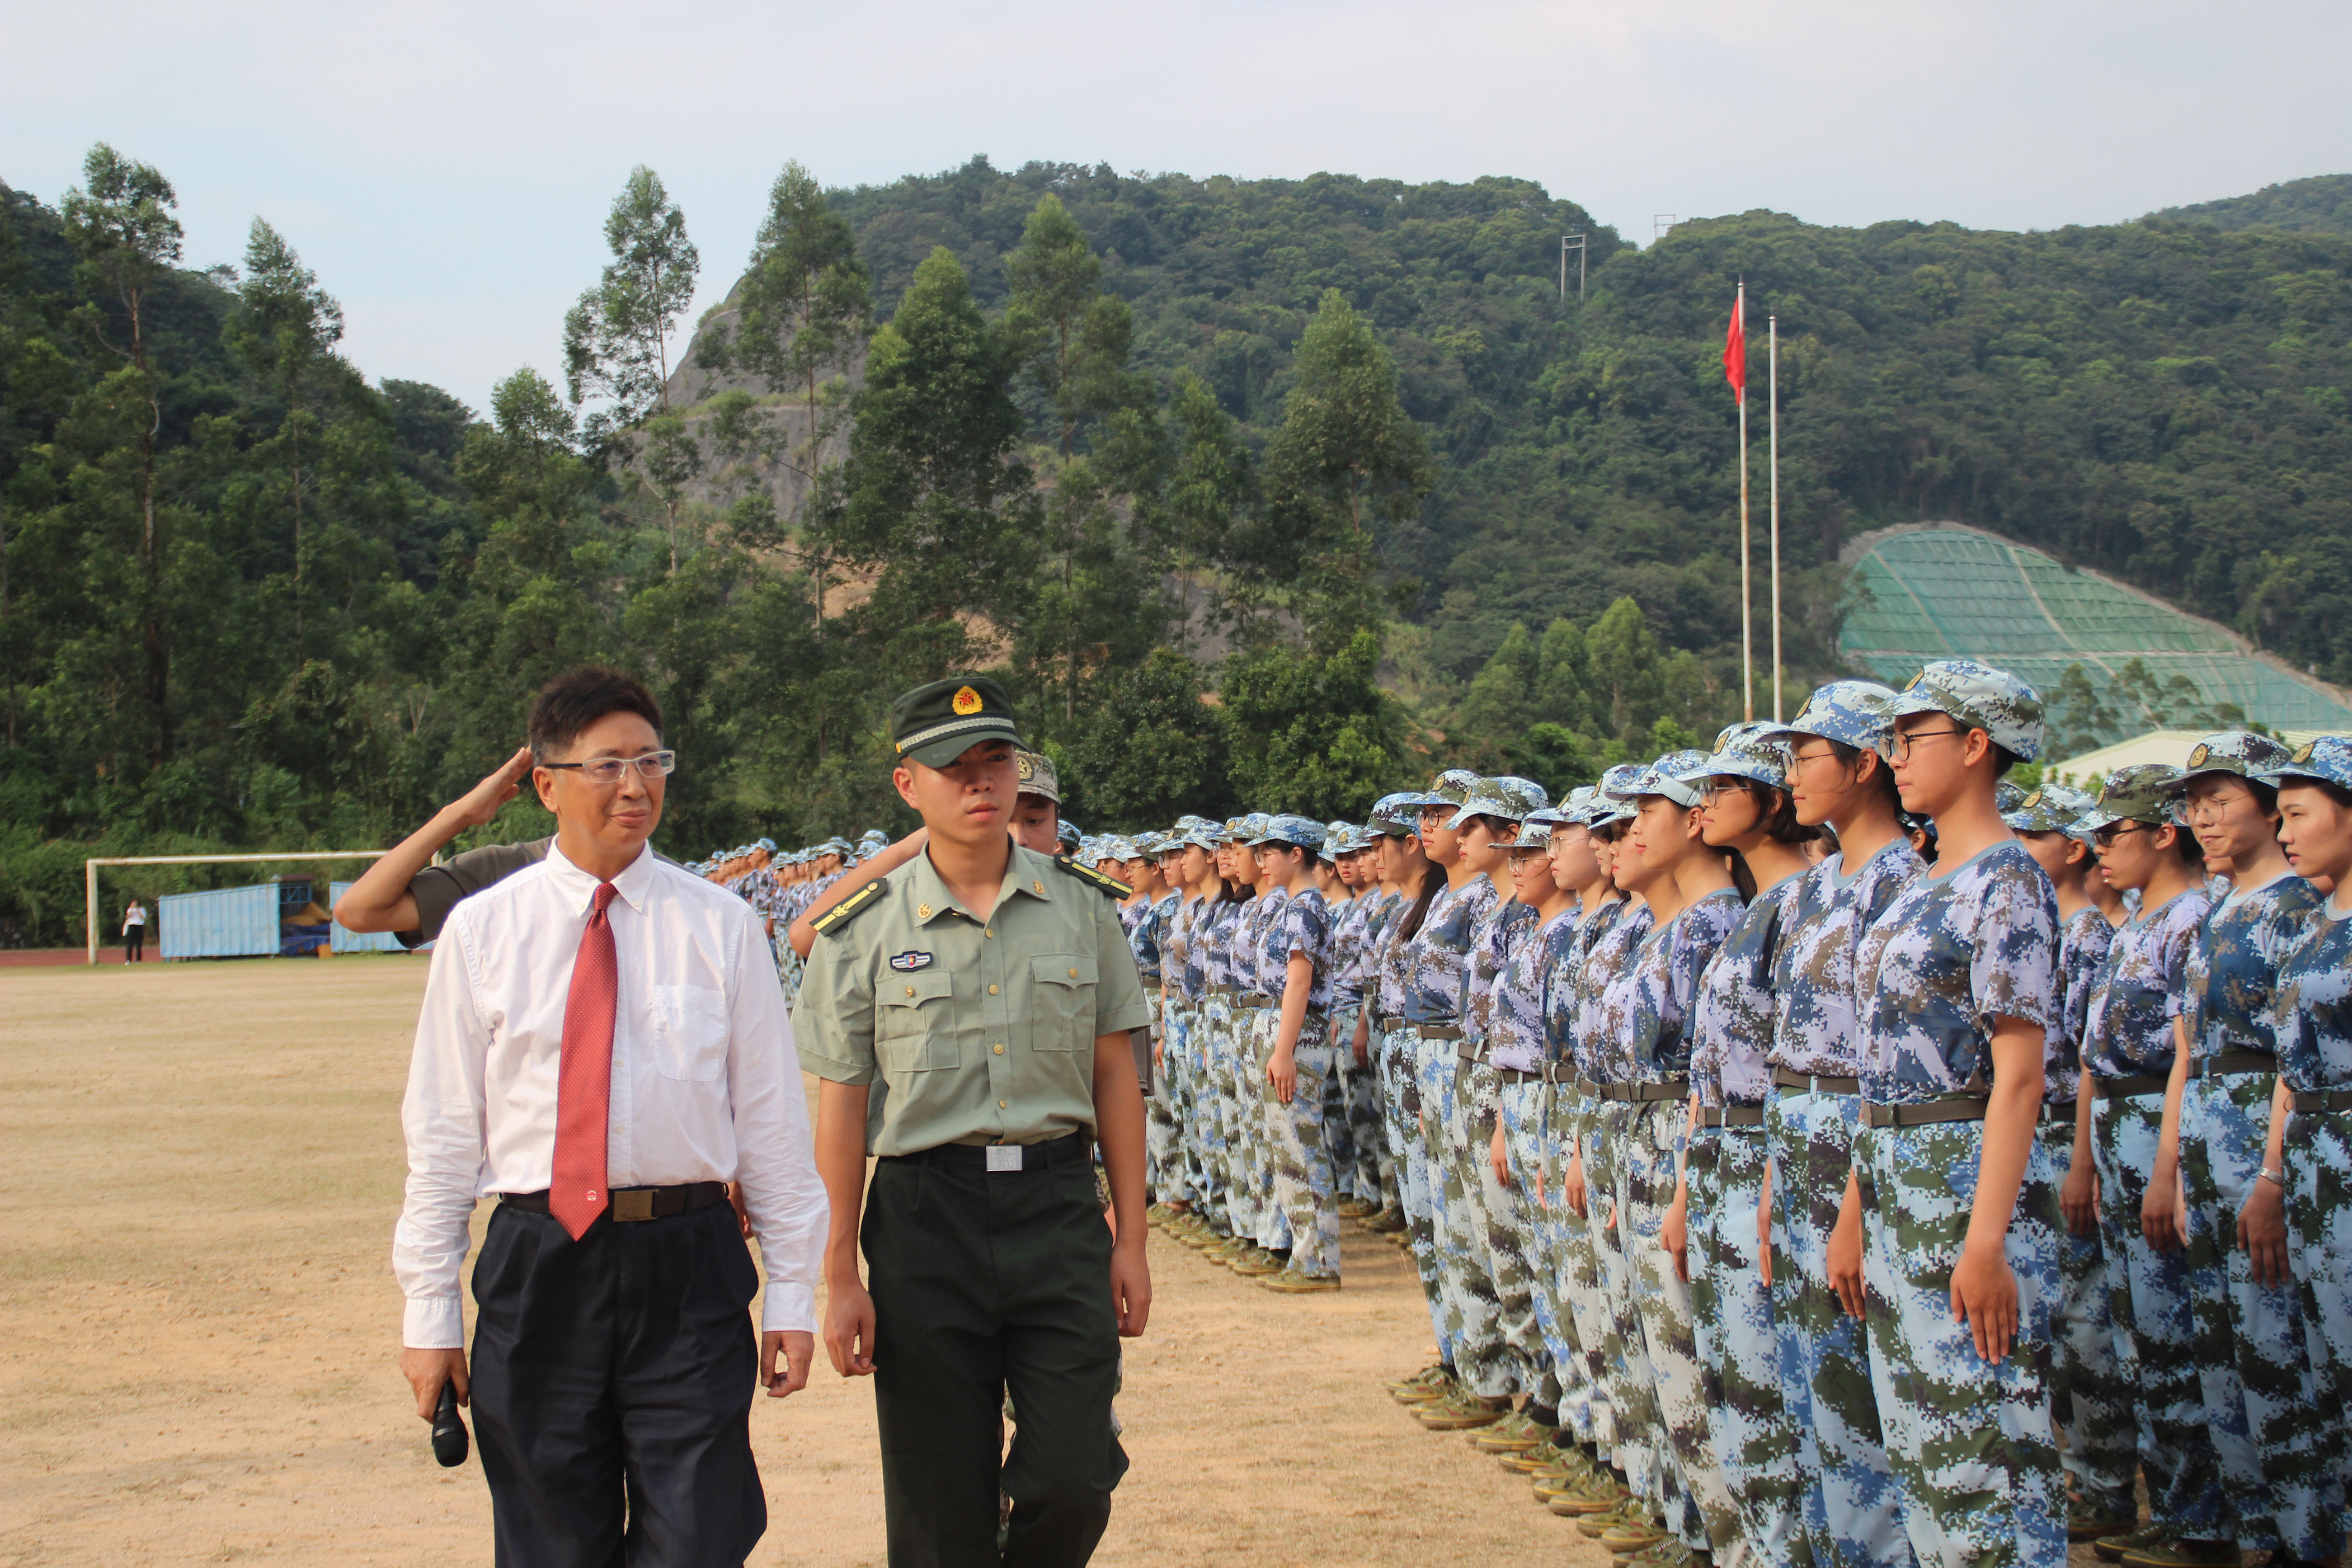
(2215, 805)
(2105, 835)
(1904, 740)
(650, 766)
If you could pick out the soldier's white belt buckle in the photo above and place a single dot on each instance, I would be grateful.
(1003, 1156)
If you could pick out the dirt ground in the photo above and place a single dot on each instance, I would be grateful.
(203, 1167)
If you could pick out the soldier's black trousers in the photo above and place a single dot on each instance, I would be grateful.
(612, 1398)
(985, 1283)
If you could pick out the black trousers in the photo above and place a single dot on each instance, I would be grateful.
(134, 941)
(612, 1385)
(984, 1284)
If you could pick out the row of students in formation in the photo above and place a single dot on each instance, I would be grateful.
(1812, 1150)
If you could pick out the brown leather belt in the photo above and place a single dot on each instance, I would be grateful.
(1438, 1031)
(1385, 1024)
(2227, 1063)
(1812, 1083)
(1965, 1108)
(1252, 999)
(2322, 1101)
(1731, 1116)
(1519, 1075)
(2131, 1086)
(629, 1206)
(1644, 1093)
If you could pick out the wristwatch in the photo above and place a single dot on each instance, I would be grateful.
(2269, 1175)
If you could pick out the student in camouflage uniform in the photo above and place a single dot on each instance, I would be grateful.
(2284, 1489)
(1952, 1188)
(1748, 810)
(1175, 1034)
(1212, 941)
(2129, 1045)
(1194, 860)
(1839, 776)
(2309, 1175)
(1694, 904)
(1235, 946)
(1405, 873)
(1260, 970)
(2092, 1400)
(1302, 1058)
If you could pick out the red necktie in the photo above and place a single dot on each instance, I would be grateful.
(583, 1076)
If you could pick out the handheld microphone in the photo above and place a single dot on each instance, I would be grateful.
(449, 1440)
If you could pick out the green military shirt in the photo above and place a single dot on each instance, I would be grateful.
(970, 1031)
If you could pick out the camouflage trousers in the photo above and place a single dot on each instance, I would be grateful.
(1739, 1345)
(1339, 1133)
(1525, 1300)
(1647, 1179)
(1974, 1454)
(2281, 1475)
(2319, 1253)
(1159, 1140)
(1574, 1272)
(1639, 1447)
(2090, 1400)
(1212, 1058)
(1253, 1037)
(1305, 1193)
(1399, 1060)
(1465, 1247)
(1184, 1170)
(2150, 1295)
(1437, 1068)
(1847, 1494)
(1368, 1133)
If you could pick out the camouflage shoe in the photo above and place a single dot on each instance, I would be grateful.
(2175, 1553)
(1428, 1382)
(1514, 1433)
(1535, 1461)
(1668, 1553)
(1585, 1507)
(1625, 1510)
(1229, 1250)
(1293, 1281)
(1355, 1208)
(2087, 1520)
(1459, 1412)
(1388, 1221)
(2111, 1548)
(1629, 1536)
(1257, 1262)
(1158, 1213)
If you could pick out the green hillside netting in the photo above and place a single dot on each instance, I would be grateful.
(1941, 593)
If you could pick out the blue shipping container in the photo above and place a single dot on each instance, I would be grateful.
(355, 941)
(226, 922)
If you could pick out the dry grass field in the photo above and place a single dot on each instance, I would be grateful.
(203, 1167)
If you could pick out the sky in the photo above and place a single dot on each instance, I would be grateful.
(445, 167)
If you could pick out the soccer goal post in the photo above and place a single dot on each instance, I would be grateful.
(90, 871)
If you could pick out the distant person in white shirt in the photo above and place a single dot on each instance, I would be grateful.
(134, 932)
(603, 1047)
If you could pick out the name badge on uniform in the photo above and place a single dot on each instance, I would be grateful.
(1003, 1156)
(907, 962)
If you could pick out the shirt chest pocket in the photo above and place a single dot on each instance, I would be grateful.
(914, 1024)
(689, 1032)
(1063, 986)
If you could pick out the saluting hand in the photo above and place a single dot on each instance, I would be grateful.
(481, 803)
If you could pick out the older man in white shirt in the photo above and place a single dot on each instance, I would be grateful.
(603, 1047)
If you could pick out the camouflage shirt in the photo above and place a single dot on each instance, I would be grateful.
(1956, 950)
(2234, 960)
(1392, 965)
(1498, 934)
(1597, 1034)
(1565, 959)
(1732, 1025)
(1435, 984)
(1251, 970)
(1659, 986)
(1817, 1024)
(2083, 951)
(2310, 1009)
(1212, 941)
(1176, 967)
(1517, 1005)
(1298, 926)
(2130, 1028)
(1360, 935)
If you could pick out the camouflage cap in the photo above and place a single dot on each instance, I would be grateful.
(1857, 714)
(1677, 776)
(1147, 845)
(2044, 811)
(1535, 831)
(1339, 838)
(1037, 775)
(1584, 806)
(1396, 816)
(2145, 792)
(936, 723)
(2239, 752)
(1747, 751)
(1616, 788)
(839, 845)
(1246, 828)
(1303, 832)
(1451, 787)
(1507, 797)
(1068, 832)
(1981, 698)
(2327, 758)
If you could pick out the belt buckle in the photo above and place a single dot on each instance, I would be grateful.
(634, 1205)
(1003, 1156)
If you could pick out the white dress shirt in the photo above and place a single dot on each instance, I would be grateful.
(705, 1086)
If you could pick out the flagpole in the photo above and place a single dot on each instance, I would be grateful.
(1773, 384)
(1747, 597)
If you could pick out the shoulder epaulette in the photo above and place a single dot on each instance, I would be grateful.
(1110, 886)
(834, 919)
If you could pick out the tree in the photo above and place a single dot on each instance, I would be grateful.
(286, 327)
(1074, 338)
(1625, 677)
(1210, 483)
(1312, 733)
(120, 223)
(1496, 708)
(1152, 750)
(616, 340)
(670, 459)
(1562, 690)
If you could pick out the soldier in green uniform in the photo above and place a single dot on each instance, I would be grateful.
(968, 1016)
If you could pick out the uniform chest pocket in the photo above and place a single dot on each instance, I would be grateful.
(914, 1024)
(689, 1032)
(1063, 987)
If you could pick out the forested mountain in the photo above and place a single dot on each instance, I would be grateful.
(1264, 490)
(2321, 205)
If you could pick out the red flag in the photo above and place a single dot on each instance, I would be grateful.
(1735, 349)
